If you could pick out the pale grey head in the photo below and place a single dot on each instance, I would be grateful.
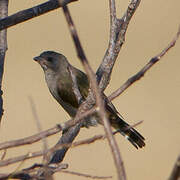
(52, 61)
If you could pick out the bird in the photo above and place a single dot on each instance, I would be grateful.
(59, 81)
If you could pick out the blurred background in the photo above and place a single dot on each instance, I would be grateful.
(154, 99)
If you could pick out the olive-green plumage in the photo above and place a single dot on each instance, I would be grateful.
(60, 84)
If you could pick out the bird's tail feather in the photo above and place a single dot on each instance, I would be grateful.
(130, 133)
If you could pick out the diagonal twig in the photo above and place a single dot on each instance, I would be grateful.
(44, 170)
(30, 139)
(86, 175)
(66, 145)
(75, 144)
(118, 28)
(39, 127)
(30, 13)
(141, 73)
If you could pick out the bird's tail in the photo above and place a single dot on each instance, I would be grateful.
(129, 133)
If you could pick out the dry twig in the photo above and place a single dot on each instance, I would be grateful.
(3, 49)
(75, 86)
(44, 170)
(86, 175)
(58, 146)
(30, 13)
(118, 28)
(141, 73)
(30, 139)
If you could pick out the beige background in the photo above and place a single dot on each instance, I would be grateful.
(154, 99)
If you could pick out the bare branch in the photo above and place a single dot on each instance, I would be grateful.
(95, 138)
(20, 158)
(118, 28)
(61, 147)
(30, 13)
(31, 139)
(86, 175)
(37, 137)
(141, 73)
(44, 170)
(39, 127)
(3, 49)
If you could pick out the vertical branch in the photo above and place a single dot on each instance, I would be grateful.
(96, 92)
(118, 28)
(3, 48)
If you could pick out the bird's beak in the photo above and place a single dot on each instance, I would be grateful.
(41, 61)
(37, 58)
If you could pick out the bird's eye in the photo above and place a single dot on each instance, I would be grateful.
(50, 59)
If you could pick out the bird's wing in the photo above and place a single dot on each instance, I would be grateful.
(66, 93)
(82, 82)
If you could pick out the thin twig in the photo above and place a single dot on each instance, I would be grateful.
(30, 139)
(20, 158)
(3, 49)
(30, 13)
(94, 138)
(66, 145)
(86, 175)
(44, 170)
(38, 124)
(141, 73)
(37, 137)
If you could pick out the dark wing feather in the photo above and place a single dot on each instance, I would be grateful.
(66, 93)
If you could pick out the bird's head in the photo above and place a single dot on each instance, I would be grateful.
(52, 61)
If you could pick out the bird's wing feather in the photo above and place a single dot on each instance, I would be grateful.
(66, 93)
